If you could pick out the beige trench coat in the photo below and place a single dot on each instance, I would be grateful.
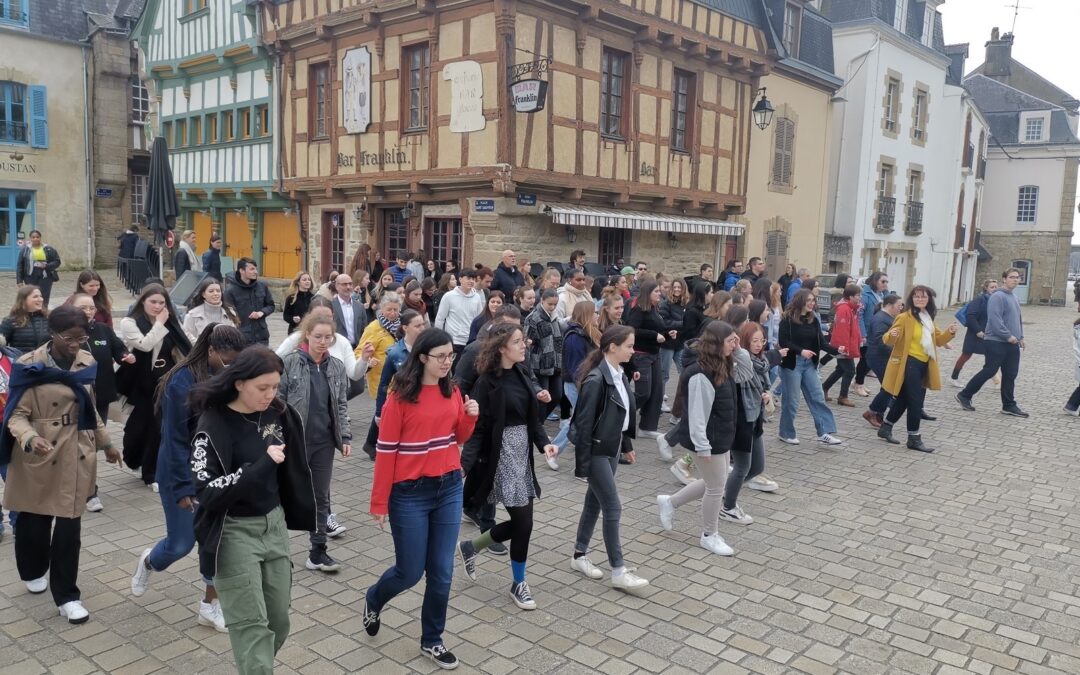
(59, 482)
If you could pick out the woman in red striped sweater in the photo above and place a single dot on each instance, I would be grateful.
(418, 485)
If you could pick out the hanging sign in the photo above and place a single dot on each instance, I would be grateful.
(356, 83)
(529, 95)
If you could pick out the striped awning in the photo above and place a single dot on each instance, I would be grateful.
(588, 216)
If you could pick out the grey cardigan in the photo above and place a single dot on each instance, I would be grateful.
(296, 389)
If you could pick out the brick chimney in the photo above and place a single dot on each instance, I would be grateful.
(998, 55)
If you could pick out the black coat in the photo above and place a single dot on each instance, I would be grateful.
(647, 326)
(107, 349)
(673, 314)
(296, 306)
(25, 338)
(598, 419)
(976, 323)
(507, 280)
(247, 298)
(480, 457)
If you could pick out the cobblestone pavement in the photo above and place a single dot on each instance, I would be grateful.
(870, 559)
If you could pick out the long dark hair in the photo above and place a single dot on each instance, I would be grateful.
(409, 378)
(931, 306)
(797, 305)
(644, 298)
(699, 295)
(197, 300)
(220, 390)
(614, 335)
(762, 290)
(404, 320)
(102, 301)
(19, 315)
(489, 360)
(221, 337)
(173, 324)
(710, 349)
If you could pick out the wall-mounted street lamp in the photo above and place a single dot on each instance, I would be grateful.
(672, 240)
(360, 210)
(571, 234)
(410, 208)
(763, 111)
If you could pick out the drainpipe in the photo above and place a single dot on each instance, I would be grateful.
(89, 164)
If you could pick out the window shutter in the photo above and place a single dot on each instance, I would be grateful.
(789, 150)
(783, 146)
(39, 119)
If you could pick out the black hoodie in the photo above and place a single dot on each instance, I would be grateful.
(247, 297)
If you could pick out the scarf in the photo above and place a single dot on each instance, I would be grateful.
(196, 262)
(27, 376)
(389, 326)
(419, 307)
(928, 331)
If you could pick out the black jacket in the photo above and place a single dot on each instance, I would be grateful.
(723, 417)
(647, 326)
(976, 323)
(507, 280)
(480, 457)
(797, 336)
(673, 314)
(25, 338)
(247, 298)
(296, 306)
(694, 320)
(211, 262)
(596, 428)
(107, 349)
(219, 482)
(24, 269)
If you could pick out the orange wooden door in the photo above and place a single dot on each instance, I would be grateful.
(237, 236)
(200, 222)
(281, 245)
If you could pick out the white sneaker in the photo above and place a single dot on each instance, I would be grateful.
(36, 586)
(829, 439)
(861, 390)
(716, 544)
(154, 486)
(735, 515)
(762, 483)
(665, 408)
(210, 615)
(74, 612)
(141, 579)
(681, 473)
(94, 504)
(628, 581)
(649, 434)
(789, 441)
(585, 566)
(956, 383)
(552, 462)
(663, 448)
(667, 511)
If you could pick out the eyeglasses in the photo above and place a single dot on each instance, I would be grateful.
(72, 341)
(757, 341)
(442, 358)
(1013, 276)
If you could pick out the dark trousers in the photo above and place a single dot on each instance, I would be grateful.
(1003, 356)
(863, 368)
(41, 548)
(142, 437)
(912, 396)
(880, 404)
(1074, 400)
(458, 350)
(648, 390)
(553, 385)
(845, 370)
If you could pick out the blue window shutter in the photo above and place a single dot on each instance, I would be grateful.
(39, 118)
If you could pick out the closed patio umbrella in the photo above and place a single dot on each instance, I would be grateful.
(161, 206)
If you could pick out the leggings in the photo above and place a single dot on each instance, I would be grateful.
(958, 366)
(709, 489)
(745, 465)
(518, 530)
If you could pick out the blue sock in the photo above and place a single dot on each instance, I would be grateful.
(518, 569)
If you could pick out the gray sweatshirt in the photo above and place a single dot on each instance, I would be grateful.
(1003, 317)
(456, 313)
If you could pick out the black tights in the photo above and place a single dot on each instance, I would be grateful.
(518, 530)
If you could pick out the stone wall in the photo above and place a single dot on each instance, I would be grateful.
(1049, 256)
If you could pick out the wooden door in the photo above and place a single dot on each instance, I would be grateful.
(201, 224)
(237, 236)
(281, 245)
(332, 252)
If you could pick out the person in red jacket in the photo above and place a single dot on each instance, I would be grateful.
(418, 485)
(846, 337)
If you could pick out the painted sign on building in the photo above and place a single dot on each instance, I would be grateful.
(356, 85)
(466, 96)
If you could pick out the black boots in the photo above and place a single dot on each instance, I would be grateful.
(914, 441)
(885, 432)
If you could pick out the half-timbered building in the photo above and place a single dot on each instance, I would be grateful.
(400, 127)
(209, 78)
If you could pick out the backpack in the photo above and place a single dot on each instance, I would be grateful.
(961, 316)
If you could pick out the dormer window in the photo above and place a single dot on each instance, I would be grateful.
(1033, 130)
(792, 28)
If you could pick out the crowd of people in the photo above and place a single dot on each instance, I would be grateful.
(465, 366)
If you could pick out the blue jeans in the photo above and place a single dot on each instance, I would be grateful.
(666, 357)
(425, 518)
(179, 535)
(804, 378)
(563, 437)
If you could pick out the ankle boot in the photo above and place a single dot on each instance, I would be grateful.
(885, 432)
(914, 441)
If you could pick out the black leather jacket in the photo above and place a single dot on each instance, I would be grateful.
(598, 419)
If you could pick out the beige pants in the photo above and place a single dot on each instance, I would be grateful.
(713, 470)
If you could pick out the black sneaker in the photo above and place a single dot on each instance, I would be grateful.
(467, 553)
(321, 561)
(1015, 411)
(964, 402)
(522, 596)
(442, 657)
(472, 516)
(498, 548)
(371, 621)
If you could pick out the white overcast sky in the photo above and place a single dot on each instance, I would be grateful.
(1045, 36)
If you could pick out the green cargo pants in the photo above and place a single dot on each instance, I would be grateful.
(253, 581)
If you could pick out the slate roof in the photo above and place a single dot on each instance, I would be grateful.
(1030, 75)
(815, 38)
(1002, 105)
(747, 10)
(75, 20)
(841, 11)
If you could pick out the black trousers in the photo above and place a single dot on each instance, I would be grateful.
(845, 370)
(41, 548)
(1074, 400)
(142, 437)
(553, 385)
(863, 368)
(999, 356)
(912, 396)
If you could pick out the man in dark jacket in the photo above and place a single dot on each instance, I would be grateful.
(211, 260)
(508, 278)
(252, 301)
(127, 241)
(755, 269)
(877, 355)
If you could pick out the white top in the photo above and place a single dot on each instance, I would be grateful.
(347, 318)
(620, 386)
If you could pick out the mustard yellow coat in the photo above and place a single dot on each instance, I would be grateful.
(382, 340)
(894, 372)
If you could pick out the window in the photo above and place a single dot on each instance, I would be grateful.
(16, 216)
(918, 131)
(15, 12)
(262, 120)
(193, 6)
(196, 131)
(444, 238)
(180, 138)
(1033, 130)
(613, 245)
(792, 28)
(395, 234)
(167, 132)
(914, 186)
(228, 129)
(612, 93)
(138, 195)
(892, 100)
(1028, 203)
(319, 97)
(886, 178)
(783, 152)
(245, 123)
(681, 111)
(337, 242)
(13, 113)
(140, 101)
(211, 128)
(417, 60)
